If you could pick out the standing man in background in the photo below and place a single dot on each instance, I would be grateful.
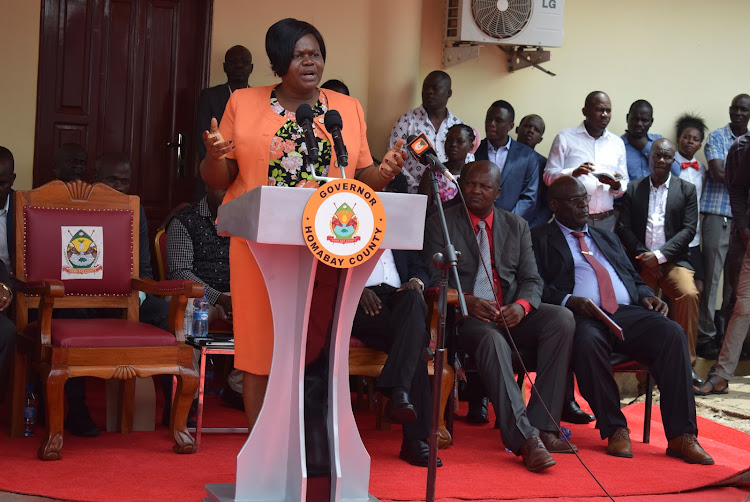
(717, 216)
(594, 156)
(433, 119)
(238, 65)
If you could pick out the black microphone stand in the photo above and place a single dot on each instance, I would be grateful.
(446, 260)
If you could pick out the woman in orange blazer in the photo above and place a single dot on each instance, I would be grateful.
(260, 143)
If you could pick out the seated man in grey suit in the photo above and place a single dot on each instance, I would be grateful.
(508, 291)
(584, 268)
(519, 164)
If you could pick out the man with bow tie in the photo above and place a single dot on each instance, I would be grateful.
(658, 220)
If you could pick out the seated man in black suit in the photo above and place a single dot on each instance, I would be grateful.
(581, 265)
(508, 292)
(391, 317)
(7, 328)
(658, 218)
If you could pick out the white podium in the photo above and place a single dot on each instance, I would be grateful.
(271, 465)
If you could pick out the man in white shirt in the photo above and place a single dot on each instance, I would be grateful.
(392, 317)
(433, 119)
(658, 220)
(595, 156)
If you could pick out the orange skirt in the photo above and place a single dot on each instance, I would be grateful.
(253, 323)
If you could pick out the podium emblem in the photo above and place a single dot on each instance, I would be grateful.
(343, 223)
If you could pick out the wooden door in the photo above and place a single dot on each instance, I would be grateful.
(124, 76)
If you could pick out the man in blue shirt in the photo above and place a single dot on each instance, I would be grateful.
(638, 140)
(715, 230)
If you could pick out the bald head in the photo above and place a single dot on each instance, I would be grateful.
(660, 160)
(569, 202)
(71, 161)
(481, 186)
(113, 169)
(7, 174)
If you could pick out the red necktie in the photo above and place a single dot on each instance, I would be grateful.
(694, 164)
(606, 290)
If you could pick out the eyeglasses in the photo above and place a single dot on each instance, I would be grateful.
(577, 200)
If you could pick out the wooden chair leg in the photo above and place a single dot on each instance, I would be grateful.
(649, 402)
(360, 390)
(187, 383)
(381, 423)
(370, 393)
(17, 393)
(51, 445)
(126, 405)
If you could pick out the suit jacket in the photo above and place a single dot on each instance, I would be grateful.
(211, 103)
(542, 212)
(511, 244)
(519, 182)
(680, 219)
(555, 263)
(409, 265)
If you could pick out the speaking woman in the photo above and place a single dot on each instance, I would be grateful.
(260, 143)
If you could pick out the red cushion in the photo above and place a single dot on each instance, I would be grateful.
(105, 333)
(43, 249)
(356, 343)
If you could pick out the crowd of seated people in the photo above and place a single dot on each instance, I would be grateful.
(601, 223)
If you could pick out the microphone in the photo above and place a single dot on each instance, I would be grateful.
(421, 149)
(305, 120)
(334, 125)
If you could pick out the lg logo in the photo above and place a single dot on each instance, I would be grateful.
(549, 4)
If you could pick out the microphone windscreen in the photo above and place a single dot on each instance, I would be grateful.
(304, 113)
(333, 119)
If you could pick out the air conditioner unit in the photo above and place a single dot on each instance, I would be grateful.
(505, 22)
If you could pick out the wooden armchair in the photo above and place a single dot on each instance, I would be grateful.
(620, 362)
(69, 230)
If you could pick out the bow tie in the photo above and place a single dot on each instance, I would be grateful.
(694, 164)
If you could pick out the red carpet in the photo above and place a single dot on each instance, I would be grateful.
(141, 466)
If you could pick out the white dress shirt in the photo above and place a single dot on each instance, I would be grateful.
(499, 156)
(657, 210)
(696, 177)
(385, 272)
(587, 285)
(574, 146)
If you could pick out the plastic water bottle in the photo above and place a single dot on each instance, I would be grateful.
(29, 411)
(188, 319)
(200, 317)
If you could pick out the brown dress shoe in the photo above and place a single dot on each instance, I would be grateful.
(535, 456)
(618, 444)
(555, 444)
(688, 449)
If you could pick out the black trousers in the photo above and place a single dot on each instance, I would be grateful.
(550, 330)
(650, 339)
(400, 331)
(7, 344)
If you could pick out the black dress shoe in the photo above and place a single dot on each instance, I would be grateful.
(416, 452)
(697, 380)
(573, 414)
(79, 422)
(478, 411)
(400, 410)
(232, 398)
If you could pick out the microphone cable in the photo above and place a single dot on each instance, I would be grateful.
(488, 270)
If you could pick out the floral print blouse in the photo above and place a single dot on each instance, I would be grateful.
(287, 166)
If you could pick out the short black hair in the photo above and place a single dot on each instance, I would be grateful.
(500, 103)
(641, 103)
(335, 85)
(281, 38)
(6, 154)
(688, 120)
(469, 130)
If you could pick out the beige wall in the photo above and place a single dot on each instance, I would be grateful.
(19, 58)
(678, 54)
